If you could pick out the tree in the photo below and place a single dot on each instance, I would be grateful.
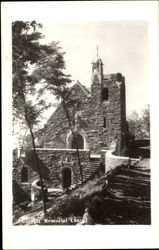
(68, 103)
(50, 71)
(48, 63)
(27, 51)
(139, 125)
(146, 120)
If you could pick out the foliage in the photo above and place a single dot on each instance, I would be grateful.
(146, 120)
(27, 50)
(47, 75)
(50, 72)
(139, 125)
(28, 90)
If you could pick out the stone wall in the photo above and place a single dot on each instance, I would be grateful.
(21, 190)
(114, 109)
(55, 131)
(53, 161)
(91, 119)
(112, 161)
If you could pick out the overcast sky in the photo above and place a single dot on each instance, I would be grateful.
(123, 47)
(126, 46)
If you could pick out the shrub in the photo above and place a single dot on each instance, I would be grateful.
(95, 208)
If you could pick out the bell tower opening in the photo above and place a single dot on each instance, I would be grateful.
(97, 75)
(97, 65)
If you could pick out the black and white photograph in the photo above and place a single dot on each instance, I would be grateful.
(88, 163)
(81, 122)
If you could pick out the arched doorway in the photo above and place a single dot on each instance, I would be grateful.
(24, 174)
(79, 140)
(66, 177)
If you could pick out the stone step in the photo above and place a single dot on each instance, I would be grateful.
(95, 163)
(95, 167)
(89, 174)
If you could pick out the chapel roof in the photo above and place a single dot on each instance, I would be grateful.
(85, 90)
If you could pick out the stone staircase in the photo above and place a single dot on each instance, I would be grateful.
(88, 173)
(95, 166)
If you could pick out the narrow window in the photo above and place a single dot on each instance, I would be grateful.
(105, 94)
(104, 122)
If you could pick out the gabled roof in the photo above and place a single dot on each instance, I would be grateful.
(82, 87)
(85, 90)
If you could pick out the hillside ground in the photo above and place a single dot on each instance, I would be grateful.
(125, 201)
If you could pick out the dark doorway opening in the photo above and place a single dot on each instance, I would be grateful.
(66, 177)
(80, 142)
(24, 174)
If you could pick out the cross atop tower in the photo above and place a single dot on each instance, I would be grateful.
(97, 64)
(97, 50)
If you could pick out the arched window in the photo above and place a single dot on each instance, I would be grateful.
(24, 174)
(79, 140)
(105, 94)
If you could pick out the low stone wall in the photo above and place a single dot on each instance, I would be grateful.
(53, 161)
(112, 161)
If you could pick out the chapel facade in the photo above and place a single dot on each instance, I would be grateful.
(100, 119)
(99, 122)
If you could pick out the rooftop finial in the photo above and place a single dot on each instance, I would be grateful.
(97, 50)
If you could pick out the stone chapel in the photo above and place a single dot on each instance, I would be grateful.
(99, 123)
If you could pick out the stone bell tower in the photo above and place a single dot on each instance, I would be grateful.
(97, 74)
(108, 105)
